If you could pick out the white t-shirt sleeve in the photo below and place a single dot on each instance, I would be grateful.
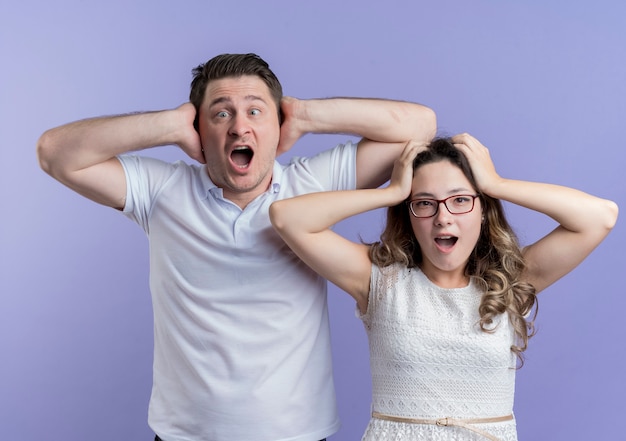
(145, 177)
(335, 169)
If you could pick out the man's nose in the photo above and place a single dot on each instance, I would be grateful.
(240, 125)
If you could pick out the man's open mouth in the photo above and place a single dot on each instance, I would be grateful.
(241, 156)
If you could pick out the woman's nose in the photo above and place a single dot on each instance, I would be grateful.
(443, 215)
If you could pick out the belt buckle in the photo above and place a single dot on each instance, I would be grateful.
(442, 422)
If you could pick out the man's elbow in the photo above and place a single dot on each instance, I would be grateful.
(50, 155)
(426, 125)
(45, 152)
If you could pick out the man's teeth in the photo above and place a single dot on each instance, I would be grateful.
(241, 156)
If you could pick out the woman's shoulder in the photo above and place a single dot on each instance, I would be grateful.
(393, 274)
(395, 268)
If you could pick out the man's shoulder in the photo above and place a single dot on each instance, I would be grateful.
(342, 151)
(154, 173)
(150, 163)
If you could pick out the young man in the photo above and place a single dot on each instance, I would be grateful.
(242, 345)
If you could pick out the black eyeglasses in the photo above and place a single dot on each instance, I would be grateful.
(457, 204)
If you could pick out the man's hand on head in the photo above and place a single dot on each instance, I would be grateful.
(290, 131)
(188, 137)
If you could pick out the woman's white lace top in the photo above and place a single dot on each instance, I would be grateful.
(430, 359)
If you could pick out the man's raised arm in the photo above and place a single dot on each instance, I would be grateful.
(384, 126)
(82, 154)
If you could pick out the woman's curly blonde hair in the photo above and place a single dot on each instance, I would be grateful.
(496, 263)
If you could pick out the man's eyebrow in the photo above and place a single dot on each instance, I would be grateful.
(219, 100)
(228, 100)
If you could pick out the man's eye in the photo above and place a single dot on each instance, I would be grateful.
(255, 112)
(222, 114)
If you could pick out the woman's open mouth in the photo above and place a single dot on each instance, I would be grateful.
(446, 242)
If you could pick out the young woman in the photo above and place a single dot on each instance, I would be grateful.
(447, 294)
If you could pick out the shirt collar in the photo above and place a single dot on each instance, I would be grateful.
(206, 185)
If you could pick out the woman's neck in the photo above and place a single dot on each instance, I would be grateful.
(446, 279)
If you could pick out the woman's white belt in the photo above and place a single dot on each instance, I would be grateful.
(456, 422)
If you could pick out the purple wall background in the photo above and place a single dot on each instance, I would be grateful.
(540, 83)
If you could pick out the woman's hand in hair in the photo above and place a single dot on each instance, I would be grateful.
(479, 160)
(402, 174)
